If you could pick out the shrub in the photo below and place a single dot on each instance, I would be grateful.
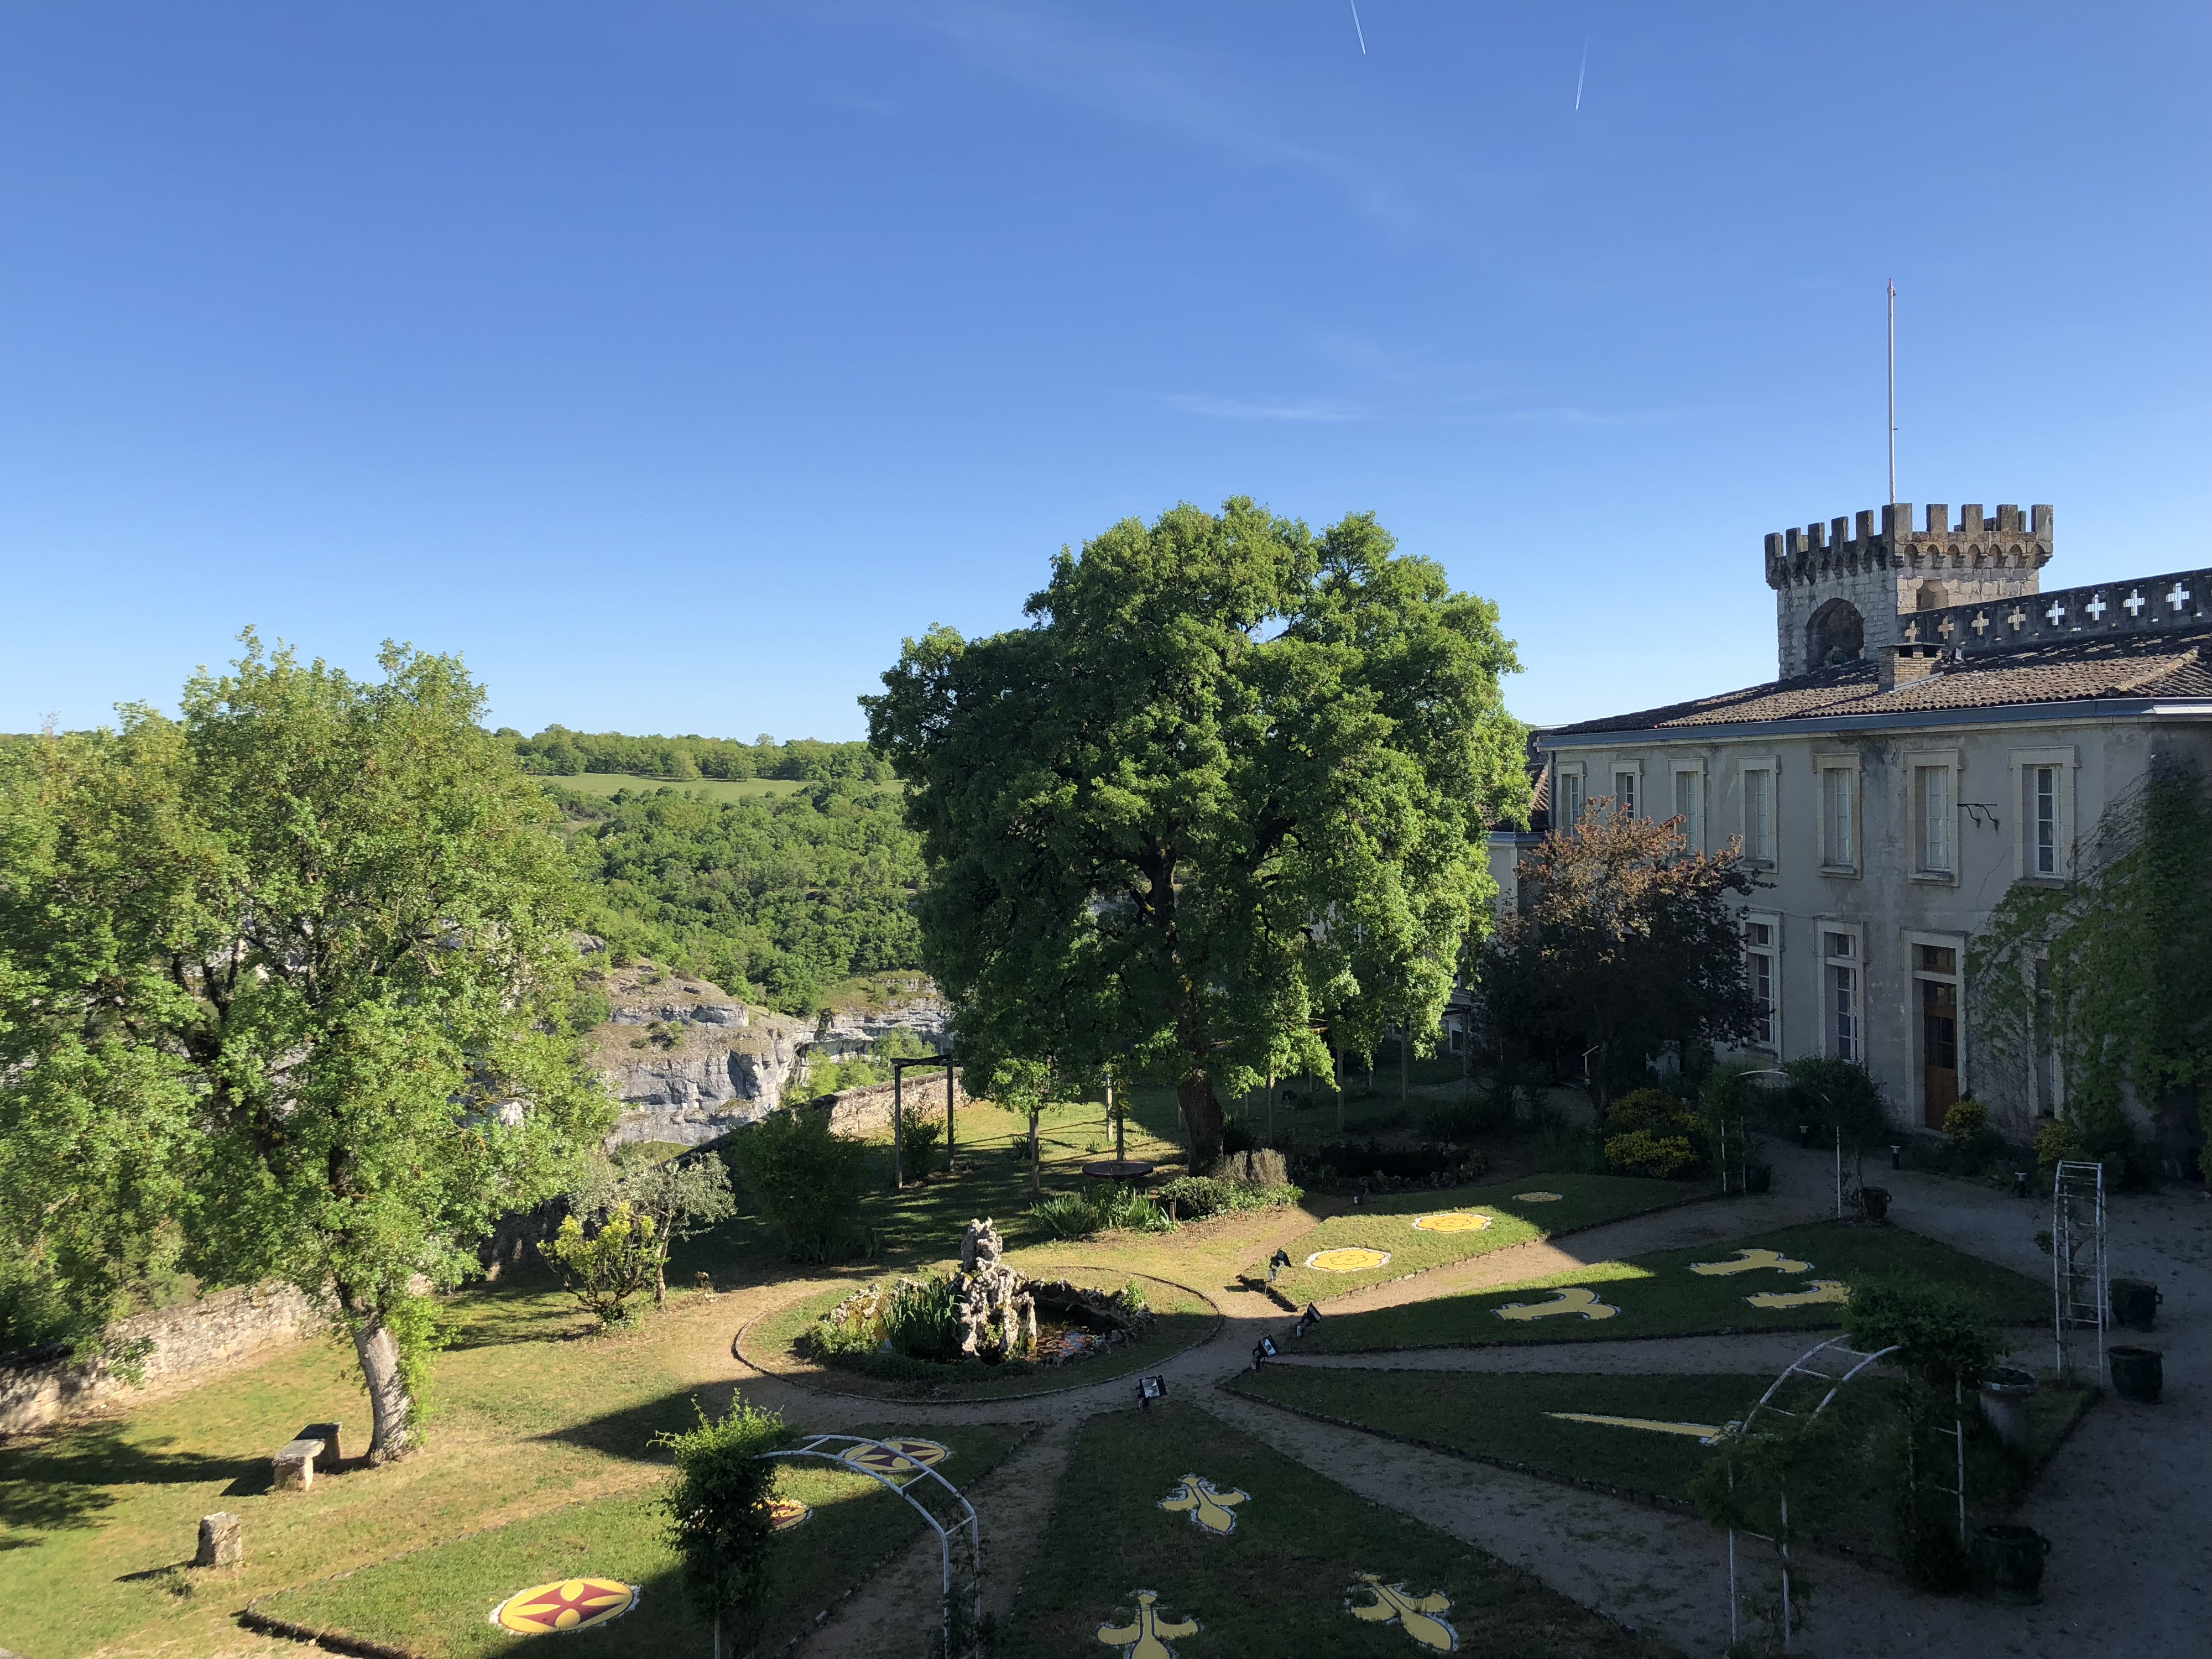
(1128, 1210)
(718, 1517)
(1261, 1166)
(1463, 1120)
(1967, 1126)
(604, 1270)
(1944, 1334)
(2057, 1142)
(806, 1181)
(921, 1320)
(1068, 1216)
(1195, 1196)
(918, 1146)
(1640, 1152)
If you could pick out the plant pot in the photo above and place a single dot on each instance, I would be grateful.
(2011, 1559)
(2004, 1394)
(1874, 1200)
(2138, 1374)
(1757, 1177)
(2135, 1303)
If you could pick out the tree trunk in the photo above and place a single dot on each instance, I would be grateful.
(1201, 1114)
(1405, 1061)
(1271, 1106)
(1036, 1166)
(391, 1434)
(1339, 1051)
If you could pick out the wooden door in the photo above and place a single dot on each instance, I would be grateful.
(1939, 1050)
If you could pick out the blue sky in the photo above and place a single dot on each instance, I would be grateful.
(672, 361)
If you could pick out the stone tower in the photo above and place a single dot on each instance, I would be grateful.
(1839, 588)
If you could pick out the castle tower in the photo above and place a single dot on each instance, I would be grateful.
(1839, 589)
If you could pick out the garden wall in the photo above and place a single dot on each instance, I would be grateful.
(191, 1342)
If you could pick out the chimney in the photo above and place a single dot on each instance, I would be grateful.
(1901, 665)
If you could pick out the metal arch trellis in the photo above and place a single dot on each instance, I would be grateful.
(2079, 1296)
(845, 1445)
(1806, 1365)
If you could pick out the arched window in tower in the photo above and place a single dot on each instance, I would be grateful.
(1836, 634)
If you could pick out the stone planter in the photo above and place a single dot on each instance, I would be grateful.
(2004, 1395)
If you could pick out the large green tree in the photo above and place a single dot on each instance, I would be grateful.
(279, 988)
(1233, 783)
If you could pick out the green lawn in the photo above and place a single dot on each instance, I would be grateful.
(1182, 1319)
(437, 1601)
(1385, 1226)
(716, 789)
(1509, 1418)
(1657, 1295)
(1278, 1584)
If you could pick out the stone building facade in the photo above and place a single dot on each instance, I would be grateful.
(1940, 730)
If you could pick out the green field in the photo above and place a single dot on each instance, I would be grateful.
(1385, 1226)
(1278, 1584)
(1511, 1418)
(609, 783)
(437, 1601)
(1657, 1295)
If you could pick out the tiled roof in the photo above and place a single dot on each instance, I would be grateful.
(2158, 666)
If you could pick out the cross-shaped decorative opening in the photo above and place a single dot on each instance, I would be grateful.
(1913, 633)
(2179, 598)
(1946, 627)
(2135, 603)
(2018, 619)
(2096, 608)
(1981, 624)
(2057, 613)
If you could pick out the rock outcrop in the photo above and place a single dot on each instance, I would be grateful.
(688, 1063)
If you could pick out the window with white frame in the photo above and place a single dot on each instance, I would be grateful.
(1758, 815)
(2045, 808)
(1624, 792)
(1839, 817)
(1570, 803)
(1934, 820)
(2043, 820)
(1690, 808)
(1840, 988)
(1762, 953)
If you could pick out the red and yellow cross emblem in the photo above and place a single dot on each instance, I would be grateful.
(564, 1604)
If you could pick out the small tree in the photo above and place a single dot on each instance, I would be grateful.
(614, 1261)
(1840, 1101)
(1630, 940)
(805, 1180)
(683, 1196)
(718, 1515)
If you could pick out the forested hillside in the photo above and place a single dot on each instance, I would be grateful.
(774, 899)
(556, 751)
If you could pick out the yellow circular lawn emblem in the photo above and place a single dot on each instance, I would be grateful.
(1350, 1259)
(896, 1456)
(1537, 1198)
(785, 1513)
(1452, 1221)
(564, 1605)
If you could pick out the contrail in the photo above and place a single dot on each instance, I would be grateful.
(1356, 30)
(1582, 72)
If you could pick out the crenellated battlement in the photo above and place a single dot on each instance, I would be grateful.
(1887, 540)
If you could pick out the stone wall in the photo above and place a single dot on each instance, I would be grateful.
(866, 1109)
(190, 1343)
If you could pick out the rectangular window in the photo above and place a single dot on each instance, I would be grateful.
(1759, 816)
(2043, 816)
(1839, 826)
(1759, 957)
(1932, 787)
(1624, 792)
(1690, 808)
(1842, 987)
(1571, 800)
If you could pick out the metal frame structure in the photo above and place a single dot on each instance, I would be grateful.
(898, 1111)
(1806, 1366)
(2079, 1296)
(964, 1522)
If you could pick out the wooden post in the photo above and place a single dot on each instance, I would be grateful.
(948, 1114)
(898, 1102)
(1120, 1152)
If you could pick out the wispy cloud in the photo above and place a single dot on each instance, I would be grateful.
(1148, 83)
(1232, 409)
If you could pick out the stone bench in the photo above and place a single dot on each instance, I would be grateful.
(315, 1448)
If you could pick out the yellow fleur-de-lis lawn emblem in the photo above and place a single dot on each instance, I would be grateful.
(1820, 1290)
(1574, 1299)
(1207, 1504)
(1414, 1614)
(1751, 1262)
(1146, 1636)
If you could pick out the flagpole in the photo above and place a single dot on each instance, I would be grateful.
(1893, 394)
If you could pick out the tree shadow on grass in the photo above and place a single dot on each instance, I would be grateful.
(56, 1485)
(630, 1433)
